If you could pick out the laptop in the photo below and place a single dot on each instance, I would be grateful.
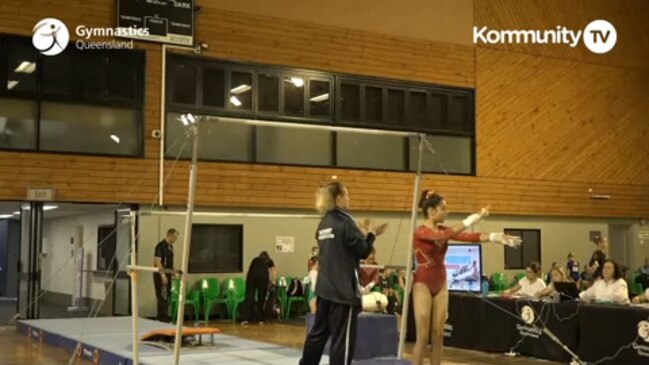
(567, 291)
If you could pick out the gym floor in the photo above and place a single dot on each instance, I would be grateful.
(290, 334)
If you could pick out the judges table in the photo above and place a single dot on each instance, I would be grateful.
(592, 331)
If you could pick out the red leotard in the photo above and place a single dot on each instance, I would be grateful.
(430, 248)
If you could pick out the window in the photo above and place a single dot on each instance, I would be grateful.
(183, 79)
(373, 104)
(18, 124)
(319, 99)
(216, 248)
(294, 146)
(368, 151)
(86, 102)
(350, 97)
(294, 96)
(22, 66)
(241, 91)
(453, 155)
(219, 141)
(90, 129)
(250, 91)
(268, 101)
(106, 248)
(529, 251)
(213, 87)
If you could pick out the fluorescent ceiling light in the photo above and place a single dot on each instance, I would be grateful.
(11, 84)
(16, 213)
(297, 81)
(320, 98)
(50, 207)
(26, 67)
(235, 101)
(241, 89)
(114, 138)
(4, 216)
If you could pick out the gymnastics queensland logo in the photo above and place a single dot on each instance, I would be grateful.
(528, 330)
(643, 333)
(599, 36)
(50, 37)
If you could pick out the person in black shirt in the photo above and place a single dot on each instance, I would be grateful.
(164, 259)
(260, 274)
(342, 243)
(599, 257)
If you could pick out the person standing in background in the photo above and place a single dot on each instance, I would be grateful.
(573, 268)
(163, 258)
(599, 257)
(260, 274)
(548, 277)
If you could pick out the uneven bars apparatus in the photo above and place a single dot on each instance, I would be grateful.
(190, 210)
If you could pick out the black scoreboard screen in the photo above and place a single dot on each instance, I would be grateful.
(167, 21)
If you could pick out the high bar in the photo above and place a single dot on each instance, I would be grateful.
(266, 123)
(152, 269)
(234, 215)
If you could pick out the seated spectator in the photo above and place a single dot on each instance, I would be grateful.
(587, 277)
(369, 277)
(642, 298)
(643, 277)
(548, 278)
(610, 287)
(313, 278)
(557, 275)
(531, 284)
(573, 268)
(387, 288)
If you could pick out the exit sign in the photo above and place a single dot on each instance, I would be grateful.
(40, 195)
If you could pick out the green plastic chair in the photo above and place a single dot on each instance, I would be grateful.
(498, 282)
(235, 295)
(211, 293)
(635, 287)
(300, 300)
(192, 297)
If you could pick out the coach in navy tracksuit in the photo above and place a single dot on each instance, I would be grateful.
(342, 244)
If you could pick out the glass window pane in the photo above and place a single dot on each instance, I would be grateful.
(319, 98)
(124, 74)
(214, 87)
(417, 109)
(437, 103)
(458, 113)
(241, 91)
(58, 73)
(89, 74)
(294, 96)
(90, 129)
(350, 101)
(396, 106)
(21, 65)
(373, 104)
(219, 141)
(452, 154)
(17, 124)
(268, 99)
(294, 146)
(183, 84)
(370, 151)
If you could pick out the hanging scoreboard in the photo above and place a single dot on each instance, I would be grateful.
(165, 21)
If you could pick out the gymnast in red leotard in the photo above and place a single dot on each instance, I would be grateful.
(430, 293)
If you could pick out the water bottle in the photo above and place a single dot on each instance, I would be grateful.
(485, 288)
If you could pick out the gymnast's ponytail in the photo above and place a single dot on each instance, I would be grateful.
(325, 196)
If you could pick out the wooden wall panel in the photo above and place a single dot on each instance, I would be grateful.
(629, 17)
(550, 119)
(253, 38)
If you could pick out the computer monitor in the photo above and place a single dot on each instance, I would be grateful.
(464, 267)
